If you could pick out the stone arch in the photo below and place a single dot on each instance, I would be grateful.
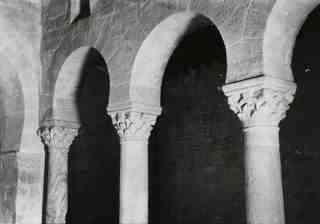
(154, 72)
(11, 107)
(282, 28)
(79, 100)
(151, 60)
(73, 76)
(19, 49)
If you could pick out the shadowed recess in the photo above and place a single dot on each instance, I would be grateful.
(82, 88)
(81, 96)
(152, 58)
(79, 9)
(300, 131)
(195, 147)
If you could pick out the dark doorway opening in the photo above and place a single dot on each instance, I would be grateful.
(196, 164)
(94, 155)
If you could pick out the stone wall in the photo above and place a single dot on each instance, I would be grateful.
(21, 153)
(117, 29)
(258, 39)
(196, 145)
(8, 189)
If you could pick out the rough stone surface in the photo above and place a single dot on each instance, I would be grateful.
(21, 182)
(37, 39)
(8, 189)
(29, 187)
(133, 125)
(117, 29)
(262, 104)
(58, 141)
(22, 174)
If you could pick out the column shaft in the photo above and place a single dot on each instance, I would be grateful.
(264, 195)
(58, 140)
(57, 188)
(261, 103)
(134, 129)
(134, 182)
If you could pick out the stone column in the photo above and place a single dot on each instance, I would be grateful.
(58, 140)
(261, 104)
(134, 129)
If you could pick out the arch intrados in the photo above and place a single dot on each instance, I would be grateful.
(282, 28)
(70, 79)
(69, 75)
(155, 52)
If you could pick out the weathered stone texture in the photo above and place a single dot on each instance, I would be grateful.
(22, 3)
(246, 54)
(21, 180)
(281, 30)
(37, 37)
(58, 141)
(29, 188)
(20, 49)
(20, 74)
(8, 187)
(117, 29)
(11, 132)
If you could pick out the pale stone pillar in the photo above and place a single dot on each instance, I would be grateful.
(58, 140)
(134, 130)
(261, 104)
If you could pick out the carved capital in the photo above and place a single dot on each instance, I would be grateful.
(133, 125)
(57, 137)
(261, 106)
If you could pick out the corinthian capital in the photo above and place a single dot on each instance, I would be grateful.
(261, 104)
(133, 125)
(57, 137)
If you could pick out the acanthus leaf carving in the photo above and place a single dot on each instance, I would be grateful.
(133, 125)
(261, 106)
(57, 137)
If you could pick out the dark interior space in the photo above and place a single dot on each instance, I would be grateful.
(195, 149)
(300, 131)
(94, 155)
(84, 10)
